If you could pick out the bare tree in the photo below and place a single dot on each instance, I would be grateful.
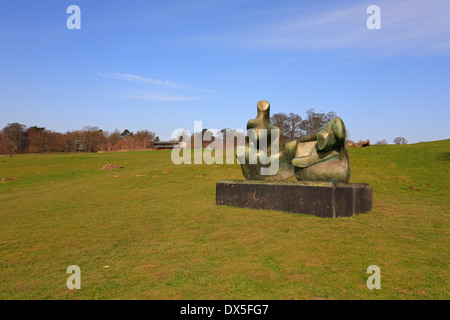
(144, 139)
(15, 137)
(330, 116)
(400, 140)
(281, 120)
(37, 139)
(384, 141)
(3, 148)
(124, 144)
(235, 137)
(55, 141)
(70, 141)
(294, 129)
(93, 139)
(112, 139)
(314, 121)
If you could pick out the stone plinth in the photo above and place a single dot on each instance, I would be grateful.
(322, 199)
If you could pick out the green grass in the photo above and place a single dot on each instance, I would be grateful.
(163, 237)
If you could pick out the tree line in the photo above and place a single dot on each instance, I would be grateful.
(398, 140)
(18, 138)
(292, 127)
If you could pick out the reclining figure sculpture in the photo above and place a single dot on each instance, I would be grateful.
(320, 156)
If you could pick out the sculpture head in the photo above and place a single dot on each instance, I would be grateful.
(262, 121)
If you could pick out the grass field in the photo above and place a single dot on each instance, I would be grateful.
(152, 231)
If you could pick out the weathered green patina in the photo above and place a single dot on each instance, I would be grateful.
(320, 156)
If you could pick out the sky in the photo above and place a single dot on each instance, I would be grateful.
(161, 65)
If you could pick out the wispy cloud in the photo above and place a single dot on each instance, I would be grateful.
(155, 97)
(413, 26)
(156, 90)
(150, 81)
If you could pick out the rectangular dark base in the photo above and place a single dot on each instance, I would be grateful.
(322, 199)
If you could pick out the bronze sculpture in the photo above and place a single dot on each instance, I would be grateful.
(320, 156)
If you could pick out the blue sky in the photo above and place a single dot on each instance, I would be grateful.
(161, 65)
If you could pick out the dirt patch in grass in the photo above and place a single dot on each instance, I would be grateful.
(110, 166)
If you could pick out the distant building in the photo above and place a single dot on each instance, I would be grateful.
(168, 145)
